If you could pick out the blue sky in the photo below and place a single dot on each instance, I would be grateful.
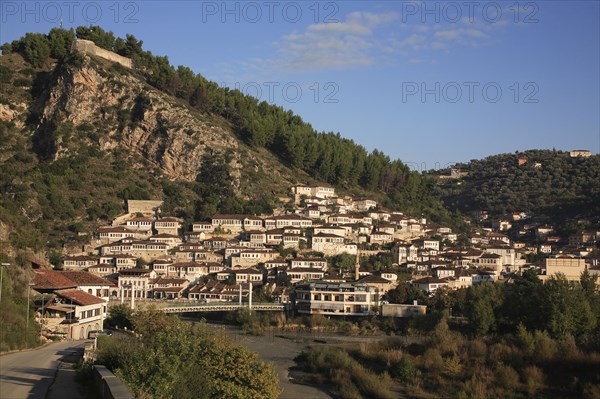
(430, 83)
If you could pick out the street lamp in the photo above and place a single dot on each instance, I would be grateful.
(42, 320)
(28, 295)
(27, 320)
(2, 266)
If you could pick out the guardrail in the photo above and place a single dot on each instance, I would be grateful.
(223, 307)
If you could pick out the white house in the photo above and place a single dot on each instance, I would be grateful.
(336, 299)
(331, 244)
(430, 284)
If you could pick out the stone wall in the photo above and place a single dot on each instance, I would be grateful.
(143, 206)
(88, 47)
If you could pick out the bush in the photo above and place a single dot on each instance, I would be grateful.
(507, 377)
(533, 377)
(347, 375)
(406, 370)
(477, 349)
(545, 347)
(432, 360)
(591, 391)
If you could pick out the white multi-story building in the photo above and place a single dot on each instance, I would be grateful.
(404, 252)
(135, 282)
(319, 191)
(80, 262)
(336, 299)
(331, 244)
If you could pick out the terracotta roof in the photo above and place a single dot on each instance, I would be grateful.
(79, 297)
(326, 235)
(85, 278)
(249, 270)
(374, 280)
(134, 271)
(429, 280)
(172, 281)
(51, 280)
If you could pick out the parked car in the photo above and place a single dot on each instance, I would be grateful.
(94, 333)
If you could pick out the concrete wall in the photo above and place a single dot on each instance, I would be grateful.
(108, 385)
(570, 267)
(88, 47)
(395, 310)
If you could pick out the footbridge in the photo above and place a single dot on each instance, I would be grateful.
(187, 306)
(222, 307)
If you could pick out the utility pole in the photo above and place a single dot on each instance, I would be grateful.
(250, 296)
(27, 320)
(42, 320)
(28, 295)
(2, 266)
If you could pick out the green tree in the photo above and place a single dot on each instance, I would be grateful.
(523, 301)
(588, 283)
(483, 303)
(60, 41)
(342, 263)
(99, 36)
(405, 294)
(566, 310)
(120, 316)
(35, 48)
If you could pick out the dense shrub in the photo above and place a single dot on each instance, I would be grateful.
(173, 358)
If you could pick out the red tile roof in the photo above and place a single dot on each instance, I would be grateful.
(85, 278)
(51, 280)
(79, 297)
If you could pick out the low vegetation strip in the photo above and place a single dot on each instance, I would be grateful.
(446, 363)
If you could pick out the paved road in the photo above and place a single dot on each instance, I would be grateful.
(29, 374)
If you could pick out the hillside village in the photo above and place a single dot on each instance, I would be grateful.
(293, 258)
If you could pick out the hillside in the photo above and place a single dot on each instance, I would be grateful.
(79, 135)
(550, 183)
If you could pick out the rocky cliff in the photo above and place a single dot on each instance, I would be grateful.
(124, 111)
(93, 101)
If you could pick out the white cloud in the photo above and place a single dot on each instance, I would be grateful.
(365, 38)
(334, 45)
